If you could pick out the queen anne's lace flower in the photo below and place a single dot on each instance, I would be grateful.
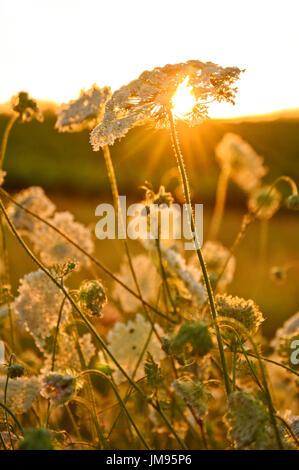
(215, 256)
(54, 249)
(264, 202)
(148, 279)
(38, 304)
(149, 97)
(35, 200)
(83, 112)
(240, 160)
(194, 393)
(126, 342)
(188, 275)
(21, 393)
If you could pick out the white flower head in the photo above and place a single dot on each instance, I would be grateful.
(38, 304)
(264, 202)
(148, 279)
(126, 343)
(243, 164)
(35, 200)
(55, 249)
(149, 98)
(21, 393)
(84, 112)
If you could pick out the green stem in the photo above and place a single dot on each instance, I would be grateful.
(9, 125)
(181, 165)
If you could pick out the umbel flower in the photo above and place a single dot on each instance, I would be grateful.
(149, 97)
(58, 388)
(84, 112)
(127, 341)
(244, 311)
(38, 304)
(194, 393)
(26, 107)
(54, 249)
(35, 200)
(21, 393)
(92, 297)
(264, 202)
(244, 166)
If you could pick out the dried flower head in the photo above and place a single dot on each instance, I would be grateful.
(194, 393)
(92, 297)
(216, 256)
(35, 200)
(21, 393)
(15, 370)
(148, 279)
(264, 202)
(54, 249)
(84, 112)
(26, 107)
(248, 421)
(58, 388)
(149, 98)
(239, 159)
(37, 305)
(244, 311)
(127, 341)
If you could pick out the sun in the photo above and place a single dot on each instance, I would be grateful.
(183, 101)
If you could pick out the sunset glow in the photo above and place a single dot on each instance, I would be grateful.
(183, 100)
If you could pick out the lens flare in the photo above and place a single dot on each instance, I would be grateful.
(183, 101)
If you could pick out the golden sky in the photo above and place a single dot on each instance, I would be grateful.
(54, 48)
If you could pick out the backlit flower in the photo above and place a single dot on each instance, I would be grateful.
(264, 202)
(21, 393)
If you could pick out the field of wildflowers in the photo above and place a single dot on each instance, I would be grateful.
(162, 356)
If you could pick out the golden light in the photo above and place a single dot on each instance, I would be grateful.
(183, 101)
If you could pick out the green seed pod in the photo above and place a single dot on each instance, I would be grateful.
(15, 370)
(292, 202)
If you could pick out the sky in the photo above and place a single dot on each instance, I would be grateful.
(55, 48)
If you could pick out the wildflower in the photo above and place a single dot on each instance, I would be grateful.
(178, 266)
(54, 249)
(37, 439)
(35, 200)
(58, 388)
(192, 339)
(127, 341)
(149, 98)
(84, 112)
(239, 159)
(248, 421)
(264, 202)
(92, 298)
(148, 279)
(37, 305)
(216, 256)
(194, 393)
(292, 202)
(21, 393)
(244, 311)
(26, 107)
(15, 370)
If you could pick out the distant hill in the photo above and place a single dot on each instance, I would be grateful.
(37, 154)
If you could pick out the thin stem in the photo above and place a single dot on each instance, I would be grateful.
(219, 204)
(181, 165)
(7, 130)
(7, 281)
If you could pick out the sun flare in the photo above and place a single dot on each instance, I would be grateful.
(183, 101)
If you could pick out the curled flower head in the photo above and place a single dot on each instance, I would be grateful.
(55, 249)
(84, 112)
(292, 202)
(239, 159)
(92, 297)
(15, 370)
(150, 97)
(244, 311)
(194, 393)
(264, 202)
(58, 388)
(37, 305)
(21, 393)
(247, 420)
(127, 341)
(26, 107)
(35, 200)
